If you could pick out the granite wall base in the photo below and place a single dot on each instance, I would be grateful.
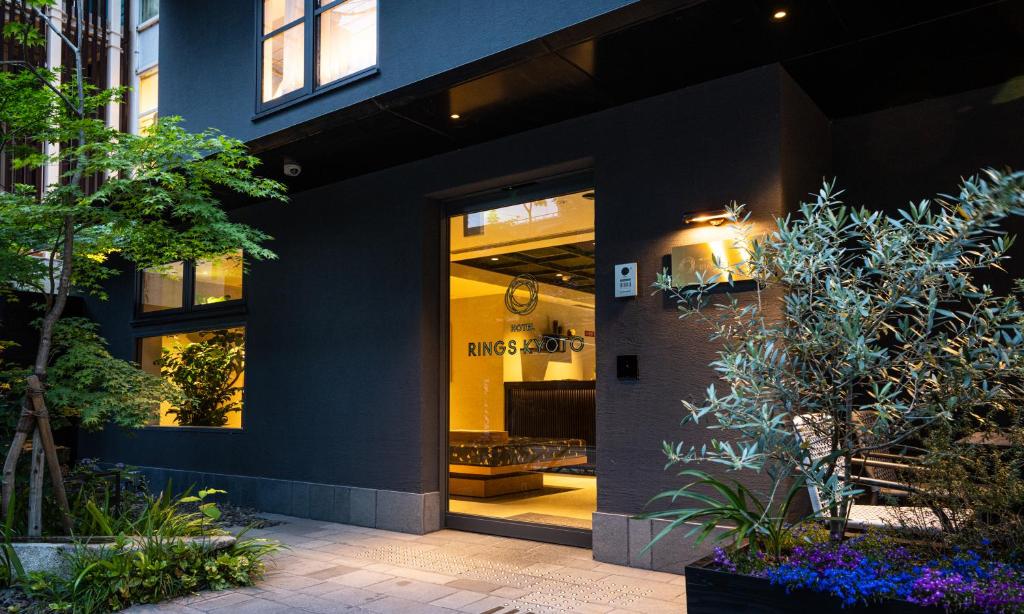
(405, 512)
(620, 539)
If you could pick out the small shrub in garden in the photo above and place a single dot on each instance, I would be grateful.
(115, 578)
(152, 558)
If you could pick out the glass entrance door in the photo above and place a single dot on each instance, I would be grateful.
(521, 439)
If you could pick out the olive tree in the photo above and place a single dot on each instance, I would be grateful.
(876, 321)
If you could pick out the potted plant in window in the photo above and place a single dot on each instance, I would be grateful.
(206, 372)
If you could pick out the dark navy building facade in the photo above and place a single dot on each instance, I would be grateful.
(565, 139)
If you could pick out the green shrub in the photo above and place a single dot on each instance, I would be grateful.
(150, 561)
(112, 579)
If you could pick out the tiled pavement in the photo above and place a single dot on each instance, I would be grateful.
(340, 568)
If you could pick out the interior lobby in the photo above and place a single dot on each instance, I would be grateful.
(523, 362)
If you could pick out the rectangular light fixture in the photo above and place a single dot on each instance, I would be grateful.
(715, 218)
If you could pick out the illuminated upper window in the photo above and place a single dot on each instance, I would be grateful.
(148, 88)
(163, 287)
(218, 280)
(345, 35)
(182, 286)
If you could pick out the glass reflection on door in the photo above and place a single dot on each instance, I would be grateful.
(522, 444)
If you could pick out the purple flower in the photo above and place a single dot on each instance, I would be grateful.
(723, 560)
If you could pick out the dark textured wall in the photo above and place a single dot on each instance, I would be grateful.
(342, 376)
(891, 157)
(886, 159)
(416, 40)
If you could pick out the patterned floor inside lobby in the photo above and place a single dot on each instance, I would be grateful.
(340, 568)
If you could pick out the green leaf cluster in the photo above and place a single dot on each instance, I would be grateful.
(119, 200)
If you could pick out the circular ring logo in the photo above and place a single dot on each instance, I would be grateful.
(514, 303)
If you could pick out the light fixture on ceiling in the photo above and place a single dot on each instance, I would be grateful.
(780, 14)
(494, 258)
(455, 116)
(715, 218)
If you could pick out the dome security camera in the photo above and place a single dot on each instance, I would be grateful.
(292, 168)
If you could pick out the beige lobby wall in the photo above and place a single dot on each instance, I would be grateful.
(477, 393)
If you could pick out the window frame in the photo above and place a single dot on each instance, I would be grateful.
(209, 326)
(311, 57)
(188, 309)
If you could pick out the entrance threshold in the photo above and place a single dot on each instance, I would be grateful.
(566, 536)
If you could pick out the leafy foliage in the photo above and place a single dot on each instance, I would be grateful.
(733, 513)
(112, 579)
(90, 383)
(147, 199)
(206, 373)
(880, 325)
(980, 487)
(149, 561)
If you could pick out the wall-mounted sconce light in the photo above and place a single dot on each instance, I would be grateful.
(715, 218)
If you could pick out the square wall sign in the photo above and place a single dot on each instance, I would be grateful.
(689, 260)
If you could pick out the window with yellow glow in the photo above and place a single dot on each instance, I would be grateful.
(284, 62)
(207, 369)
(279, 13)
(186, 285)
(219, 280)
(345, 33)
(148, 98)
(348, 39)
(163, 287)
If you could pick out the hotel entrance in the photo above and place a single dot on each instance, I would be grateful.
(521, 446)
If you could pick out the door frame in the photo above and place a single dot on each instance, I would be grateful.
(482, 201)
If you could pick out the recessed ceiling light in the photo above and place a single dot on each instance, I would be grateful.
(455, 116)
(558, 274)
(779, 15)
(494, 258)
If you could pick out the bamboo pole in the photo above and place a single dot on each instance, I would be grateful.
(35, 486)
(25, 424)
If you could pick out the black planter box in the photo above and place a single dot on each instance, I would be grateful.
(710, 591)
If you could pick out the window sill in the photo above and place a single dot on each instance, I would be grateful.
(202, 313)
(193, 429)
(149, 23)
(269, 108)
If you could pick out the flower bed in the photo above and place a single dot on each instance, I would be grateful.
(873, 569)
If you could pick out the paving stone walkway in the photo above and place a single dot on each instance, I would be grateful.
(340, 568)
